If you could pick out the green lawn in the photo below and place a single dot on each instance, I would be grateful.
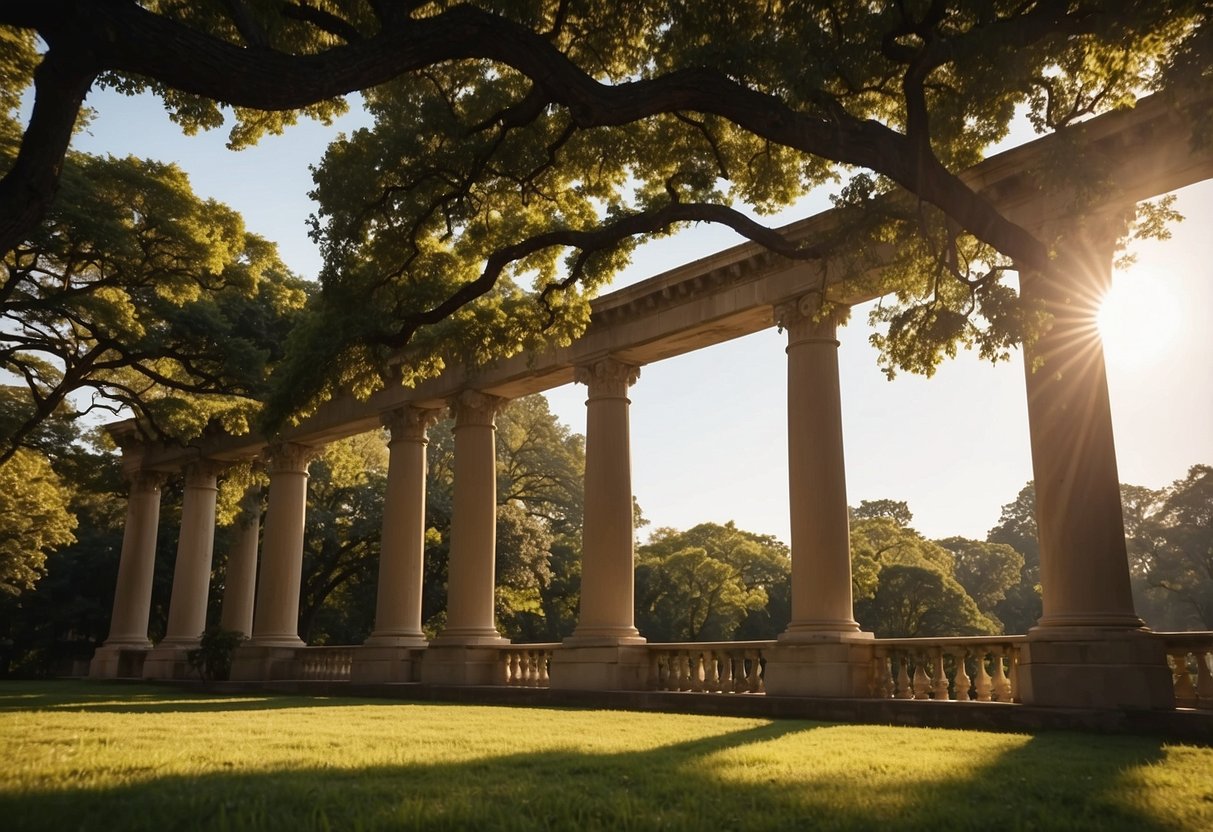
(119, 757)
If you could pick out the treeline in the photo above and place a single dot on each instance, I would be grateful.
(62, 509)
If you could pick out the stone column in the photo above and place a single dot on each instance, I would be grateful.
(391, 653)
(1089, 647)
(821, 653)
(817, 487)
(402, 548)
(470, 571)
(136, 566)
(276, 618)
(608, 601)
(195, 547)
(240, 584)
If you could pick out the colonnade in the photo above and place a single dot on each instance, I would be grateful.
(1088, 610)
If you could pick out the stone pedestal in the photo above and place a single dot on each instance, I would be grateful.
(253, 663)
(829, 665)
(618, 667)
(373, 664)
(1094, 668)
(118, 662)
(168, 662)
(462, 665)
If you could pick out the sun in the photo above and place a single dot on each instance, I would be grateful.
(1139, 319)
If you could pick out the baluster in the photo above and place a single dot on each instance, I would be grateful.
(939, 679)
(1013, 661)
(511, 668)
(697, 671)
(711, 671)
(1204, 679)
(888, 685)
(982, 684)
(684, 671)
(728, 675)
(760, 677)
(962, 682)
(545, 676)
(1185, 692)
(922, 682)
(1002, 685)
(904, 689)
(654, 680)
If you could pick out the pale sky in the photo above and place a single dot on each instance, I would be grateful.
(709, 431)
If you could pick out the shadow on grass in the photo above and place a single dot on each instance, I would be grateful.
(132, 698)
(1053, 781)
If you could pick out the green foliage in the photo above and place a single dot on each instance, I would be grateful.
(212, 658)
(143, 295)
(712, 583)
(985, 570)
(1021, 608)
(904, 585)
(34, 519)
(1171, 549)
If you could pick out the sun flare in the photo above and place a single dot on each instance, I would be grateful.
(1138, 320)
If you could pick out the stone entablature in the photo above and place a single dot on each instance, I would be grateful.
(733, 293)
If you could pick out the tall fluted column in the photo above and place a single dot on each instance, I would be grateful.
(607, 614)
(821, 554)
(240, 585)
(276, 618)
(137, 563)
(402, 547)
(470, 570)
(195, 547)
(1084, 574)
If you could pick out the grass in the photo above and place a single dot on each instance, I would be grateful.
(123, 757)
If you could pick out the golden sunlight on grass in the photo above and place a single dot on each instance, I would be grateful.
(91, 756)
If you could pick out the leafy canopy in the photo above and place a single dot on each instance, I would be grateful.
(521, 149)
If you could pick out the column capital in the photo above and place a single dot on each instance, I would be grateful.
(409, 423)
(472, 407)
(289, 457)
(143, 479)
(202, 472)
(607, 378)
(811, 318)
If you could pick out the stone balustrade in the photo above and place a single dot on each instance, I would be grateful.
(961, 669)
(708, 667)
(326, 664)
(526, 665)
(1191, 659)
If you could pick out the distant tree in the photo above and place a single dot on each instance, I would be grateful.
(341, 542)
(1177, 557)
(896, 510)
(1021, 608)
(905, 585)
(986, 570)
(712, 582)
(915, 601)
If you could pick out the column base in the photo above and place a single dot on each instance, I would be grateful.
(119, 661)
(375, 663)
(1073, 667)
(469, 638)
(610, 667)
(818, 663)
(259, 663)
(604, 637)
(168, 662)
(462, 665)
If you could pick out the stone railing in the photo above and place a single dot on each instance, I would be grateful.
(1191, 659)
(962, 669)
(327, 664)
(708, 667)
(526, 665)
